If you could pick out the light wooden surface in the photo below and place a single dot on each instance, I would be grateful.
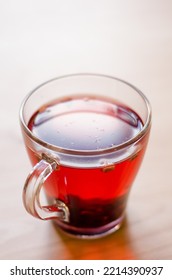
(128, 39)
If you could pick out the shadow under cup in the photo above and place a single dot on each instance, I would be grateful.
(86, 136)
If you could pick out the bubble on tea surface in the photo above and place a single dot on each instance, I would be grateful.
(106, 165)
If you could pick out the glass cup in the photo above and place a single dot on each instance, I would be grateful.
(86, 135)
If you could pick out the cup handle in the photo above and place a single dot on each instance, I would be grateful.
(31, 193)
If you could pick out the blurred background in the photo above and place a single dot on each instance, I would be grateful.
(128, 39)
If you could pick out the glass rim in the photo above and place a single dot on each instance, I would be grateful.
(62, 150)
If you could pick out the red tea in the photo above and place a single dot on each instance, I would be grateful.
(95, 195)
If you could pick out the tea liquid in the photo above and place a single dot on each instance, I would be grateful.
(95, 196)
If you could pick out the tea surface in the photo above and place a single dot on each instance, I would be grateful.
(85, 124)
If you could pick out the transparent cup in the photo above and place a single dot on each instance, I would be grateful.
(86, 143)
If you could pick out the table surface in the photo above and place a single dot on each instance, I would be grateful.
(128, 39)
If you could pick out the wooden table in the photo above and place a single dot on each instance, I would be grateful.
(128, 39)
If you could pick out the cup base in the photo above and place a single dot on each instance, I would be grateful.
(90, 233)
